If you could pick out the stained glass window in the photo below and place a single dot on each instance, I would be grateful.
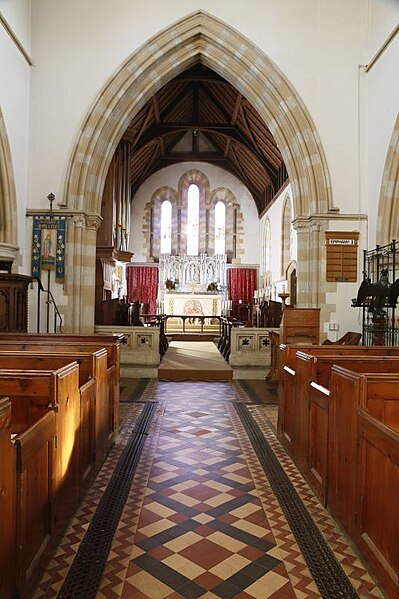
(192, 220)
(166, 227)
(220, 228)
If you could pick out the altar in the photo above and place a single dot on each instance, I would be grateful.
(193, 304)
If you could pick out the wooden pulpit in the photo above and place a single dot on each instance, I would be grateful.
(14, 302)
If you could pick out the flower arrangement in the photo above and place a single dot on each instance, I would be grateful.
(213, 286)
(170, 285)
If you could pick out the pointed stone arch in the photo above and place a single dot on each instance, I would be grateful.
(8, 198)
(198, 37)
(388, 208)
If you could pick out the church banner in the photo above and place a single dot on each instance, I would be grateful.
(48, 245)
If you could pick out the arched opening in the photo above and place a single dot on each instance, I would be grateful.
(388, 208)
(198, 37)
(166, 227)
(8, 200)
(220, 227)
(193, 195)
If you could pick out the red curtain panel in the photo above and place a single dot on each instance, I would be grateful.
(142, 286)
(242, 284)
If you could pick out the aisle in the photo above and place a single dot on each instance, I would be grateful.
(194, 361)
(201, 518)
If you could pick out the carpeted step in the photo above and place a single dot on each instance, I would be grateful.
(194, 361)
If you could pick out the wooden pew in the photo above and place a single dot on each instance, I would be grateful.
(7, 502)
(111, 342)
(56, 344)
(287, 355)
(26, 500)
(34, 499)
(94, 402)
(52, 450)
(345, 428)
(363, 489)
(304, 402)
(33, 393)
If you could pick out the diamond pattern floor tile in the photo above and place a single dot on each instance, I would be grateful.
(201, 519)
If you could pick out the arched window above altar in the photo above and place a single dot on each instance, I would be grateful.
(220, 228)
(193, 194)
(166, 227)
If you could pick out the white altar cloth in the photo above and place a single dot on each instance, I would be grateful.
(193, 304)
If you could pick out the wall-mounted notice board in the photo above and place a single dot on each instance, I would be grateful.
(341, 256)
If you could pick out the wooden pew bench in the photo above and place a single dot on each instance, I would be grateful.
(111, 342)
(94, 400)
(287, 353)
(57, 345)
(45, 417)
(7, 502)
(363, 467)
(343, 432)
(304, 403)
(287, 365)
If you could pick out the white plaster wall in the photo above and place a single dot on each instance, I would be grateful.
(339, 295)
(218, 177)
(14, 102)
(78, 45)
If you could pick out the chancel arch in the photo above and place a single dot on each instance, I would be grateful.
(388, 208)
(198, 37)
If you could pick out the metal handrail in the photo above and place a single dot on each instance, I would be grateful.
(50, 300)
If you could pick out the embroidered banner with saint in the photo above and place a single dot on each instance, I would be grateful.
(48, 245)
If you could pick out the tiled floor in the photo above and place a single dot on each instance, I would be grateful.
(201, 519)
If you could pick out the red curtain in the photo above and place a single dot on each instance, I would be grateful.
(242, 284)
(142, 286)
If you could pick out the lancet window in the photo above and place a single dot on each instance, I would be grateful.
(220, 228)
(191, 220)
(166, 227)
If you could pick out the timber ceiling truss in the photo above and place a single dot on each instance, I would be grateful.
(200, 117)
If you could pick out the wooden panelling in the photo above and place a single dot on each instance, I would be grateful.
(341, 256)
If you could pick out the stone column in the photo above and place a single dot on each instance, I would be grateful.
(80, 273)
(311, 277)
